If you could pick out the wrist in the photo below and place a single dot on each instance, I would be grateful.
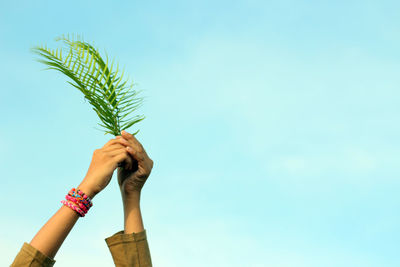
(88, 190)
(131, 200)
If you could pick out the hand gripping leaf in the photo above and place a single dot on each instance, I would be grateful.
(104, 88)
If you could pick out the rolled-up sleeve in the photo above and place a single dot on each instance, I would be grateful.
(129, 249)
(30, 256)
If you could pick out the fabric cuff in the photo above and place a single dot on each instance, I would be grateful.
(37, 255)
(120, 237)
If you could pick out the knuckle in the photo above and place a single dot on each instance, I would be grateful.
(123, 141)
(105, 155)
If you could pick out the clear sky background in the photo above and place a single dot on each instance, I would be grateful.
(273, 126)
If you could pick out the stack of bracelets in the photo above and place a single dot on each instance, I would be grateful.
(82, 201)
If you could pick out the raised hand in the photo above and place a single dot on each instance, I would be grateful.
(104, 161)
(134, 174)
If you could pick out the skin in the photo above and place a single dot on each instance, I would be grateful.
(132, 176)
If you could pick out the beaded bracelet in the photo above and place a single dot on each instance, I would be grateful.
(76, 201)
(81, 197)
(82, 201)
(74, 207)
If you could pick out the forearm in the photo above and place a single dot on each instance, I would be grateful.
(130, 247)
(133, 222)
(51, 236)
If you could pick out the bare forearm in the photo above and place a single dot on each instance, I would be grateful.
(51, 236)
(133, 222)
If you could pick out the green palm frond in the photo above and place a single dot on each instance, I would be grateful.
(101, 82)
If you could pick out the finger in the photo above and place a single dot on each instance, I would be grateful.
(118, 145)
(117, 149)
(137, 146)
(113, 146)
(119, 158)
(131, 138)
(138, 156)
(110, 142)
(138, 152)
(129, 142)
(123, 141)
(116, 141)
(115, 152)
(119, 142)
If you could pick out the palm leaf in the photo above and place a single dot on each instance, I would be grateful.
(101, 82)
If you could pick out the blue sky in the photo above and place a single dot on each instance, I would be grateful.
(273, 127)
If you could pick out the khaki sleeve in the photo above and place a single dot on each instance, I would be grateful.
(30, 256)
(129, 250)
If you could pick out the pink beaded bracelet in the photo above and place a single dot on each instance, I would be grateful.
(74, 207)
(76, 201)
(81, 197)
